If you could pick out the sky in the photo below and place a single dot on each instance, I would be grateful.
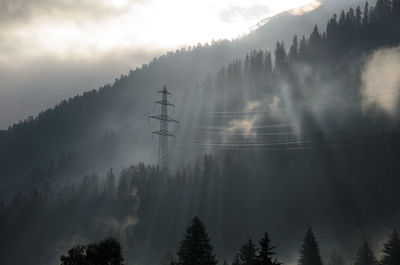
(54, 49)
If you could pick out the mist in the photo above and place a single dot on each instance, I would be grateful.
(276, 132)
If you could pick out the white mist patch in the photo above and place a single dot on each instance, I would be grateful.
(255, 110)
(381, 81)
(310, 6)
(243, 125)
(121, 225)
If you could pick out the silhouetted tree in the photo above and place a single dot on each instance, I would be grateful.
(358, 20)
(107, 252)
(365, 19)
(280, 56)
(75, 256)
(303, 48)
(365, 256)
(266, 253)
(293, 52)
(248, 254)
(195, 248)
(309, 253)
(391, 250)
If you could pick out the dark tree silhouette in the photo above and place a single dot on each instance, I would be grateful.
(293, 52)
(309, 253)
(266, 254)
(107, 252)
(280, 56)
(365, 256)
(75, 256)
(391, 250)
(248, 254)
(195, 248)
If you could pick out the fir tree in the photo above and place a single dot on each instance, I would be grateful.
(293, 52)
(248, 253)
(391, 250)
(365, 256)
(195, 248)
(309, 253)
(365, 20)
(358, 20)
(280, 56)
(266, 254)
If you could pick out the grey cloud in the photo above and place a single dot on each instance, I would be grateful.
(20, 11)
(252, 12)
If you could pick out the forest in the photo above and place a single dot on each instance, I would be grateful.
(305, 135)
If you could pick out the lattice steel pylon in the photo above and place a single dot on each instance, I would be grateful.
(163, 132)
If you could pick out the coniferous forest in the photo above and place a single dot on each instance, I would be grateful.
(283, 155)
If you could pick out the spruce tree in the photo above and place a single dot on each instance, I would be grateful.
(248, 254)
(309, 253)
(195, 248)
(293, 52)
(391, 250)
(266, 254)
(365, 20)
(365, 256)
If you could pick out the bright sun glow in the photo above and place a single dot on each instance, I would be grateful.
(147, 25)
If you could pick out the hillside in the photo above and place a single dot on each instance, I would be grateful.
(304, 135)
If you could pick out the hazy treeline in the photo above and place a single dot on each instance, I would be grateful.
(341, 178)
(146, 209)
(196, 248)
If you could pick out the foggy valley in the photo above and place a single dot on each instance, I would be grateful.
(278, 145)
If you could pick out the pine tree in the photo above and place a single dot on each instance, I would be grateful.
(293, 52)
(309, 253)
(358, 17)
(303, 48)
(266, 254)
(391, 250)
(365, 20)
(248, 254)
(268, 63)
(365, 256)
(195, 248)
(280, 56)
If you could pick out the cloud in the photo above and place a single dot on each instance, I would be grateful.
(312, 5)
(255, 109)
(21, 11)
(235, 12)
(381, 81)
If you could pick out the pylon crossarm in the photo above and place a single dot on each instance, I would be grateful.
(164, 92)
(164, 103)
(171, 119)
(164, 134)
(162, 118)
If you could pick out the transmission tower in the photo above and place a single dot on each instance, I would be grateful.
(163, 132)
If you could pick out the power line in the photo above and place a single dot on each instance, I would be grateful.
(246, 148)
